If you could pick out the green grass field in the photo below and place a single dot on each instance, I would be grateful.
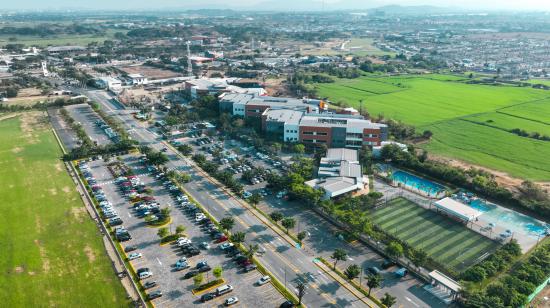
(446, 241)
(457, 113)
(81, 40)
(51, 251)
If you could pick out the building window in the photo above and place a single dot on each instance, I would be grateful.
(307, 133)
(321, 134)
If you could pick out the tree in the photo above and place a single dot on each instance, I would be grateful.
(352, 271)
(288, 223)
(373, 281)
(338, 255)
(185, 149)
(165, 212)
(227, 223)
(252, 249)
(180, 229)
(255, 199)
(276, 216)
(394, 249)
(163, 232)
(198, 279)
(301, 236)
(388, 300)
(427, 134)
(238, 237)
(301, 287)
(217, 271)
(299, 148)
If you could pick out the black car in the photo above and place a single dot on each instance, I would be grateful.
(130, 248)
(194, 252)
(287, 304)
(190, 274)
(373, 270)
(149, 284)
(208, 296)
(387, 264)
(154, 295)
(250, 268)
(205, 269)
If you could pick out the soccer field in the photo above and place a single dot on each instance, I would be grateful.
(446, 241)
(470, 122)
(51, 252)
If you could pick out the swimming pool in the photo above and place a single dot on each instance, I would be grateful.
(509, 219)
(413, 181)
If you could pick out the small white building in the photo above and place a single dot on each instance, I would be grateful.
(377, 150)
(110, 83)
(339, 173)
(137, 79)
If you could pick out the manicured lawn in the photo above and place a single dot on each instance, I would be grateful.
(51, 251)
(459, 115)
(446, 241)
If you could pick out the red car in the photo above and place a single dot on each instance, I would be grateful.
(148, 198)
(222, 238)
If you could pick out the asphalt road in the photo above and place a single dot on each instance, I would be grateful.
(83, 114)
(282, 259)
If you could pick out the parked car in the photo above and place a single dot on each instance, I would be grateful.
(208, 296)
(134, 255)
(224, 289)
(155, 294)
(205, 245)
(145, 275)
(225, 246)
(231, 301)
(387, 264)
(130, 248)
(287, 304)
(204, 269)
(373, 270)
(263, 280)
(190, 274)
(201, 264)
(250, 268)
(149, 284)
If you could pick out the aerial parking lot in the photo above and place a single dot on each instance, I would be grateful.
(174, 282)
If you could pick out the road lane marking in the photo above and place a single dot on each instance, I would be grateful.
(159, 261)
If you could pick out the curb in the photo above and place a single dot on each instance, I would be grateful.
(208, 289)
(352, 290)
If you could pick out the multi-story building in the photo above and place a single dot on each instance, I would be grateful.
(300, 120)
(338, 131)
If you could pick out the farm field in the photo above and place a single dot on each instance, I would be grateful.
(443, 239)
(52, 253)
(448, 107)
(83, 40)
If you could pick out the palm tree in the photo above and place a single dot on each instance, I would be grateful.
(238, 237)
(338, 255)
(301, 236)
(388, 300)
(352, 271)
(163, 232)
(255, 199)
(252, 249)
(227, 223)
(288, 223)
(301, 287)
(373, 281)
(180, 229)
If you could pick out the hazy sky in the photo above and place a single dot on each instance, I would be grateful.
(531, 5)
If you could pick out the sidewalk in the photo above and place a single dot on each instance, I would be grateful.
(346, 285)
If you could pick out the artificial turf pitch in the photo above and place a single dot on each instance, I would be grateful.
(446, 241)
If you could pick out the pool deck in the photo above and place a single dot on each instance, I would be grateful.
(526, 241)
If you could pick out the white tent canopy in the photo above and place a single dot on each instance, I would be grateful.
(457, 209)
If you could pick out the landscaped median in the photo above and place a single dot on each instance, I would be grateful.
(208, 286)
(337, 275)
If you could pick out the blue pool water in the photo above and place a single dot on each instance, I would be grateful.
(415, 182)
(509, 219)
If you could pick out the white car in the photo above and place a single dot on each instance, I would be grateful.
(232, 300)
(263, 280)
(145, 275)
(199, 217)
(205, 245)
(134, 255)
(225, 246)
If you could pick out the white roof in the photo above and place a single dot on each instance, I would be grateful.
(458, 209)
(446, 281)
